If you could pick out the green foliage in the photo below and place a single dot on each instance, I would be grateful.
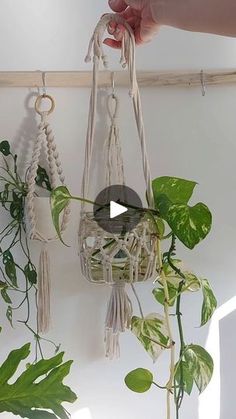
(42, 179)
(5, 148)
(175, 189)
(27, 393)
(199, 364)
(190, 224)
(184, 377)
(159, 295)
(139, 380)
(60, 198)
(10, 267)
(209, 302)
(27, 396)
(30, 273)
(151, 332)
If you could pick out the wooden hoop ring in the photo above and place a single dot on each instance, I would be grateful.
(38, 102)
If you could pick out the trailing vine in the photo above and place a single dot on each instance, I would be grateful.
(19, 283)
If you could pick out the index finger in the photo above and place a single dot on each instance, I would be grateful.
(117, 5)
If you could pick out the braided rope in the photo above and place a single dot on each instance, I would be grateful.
(45, 135)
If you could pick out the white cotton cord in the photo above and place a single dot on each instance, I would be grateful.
(127, 58)
(44, 290)
(114, 166)
(118, 319)
(45, 138)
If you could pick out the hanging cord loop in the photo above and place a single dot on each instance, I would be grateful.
(127, 59)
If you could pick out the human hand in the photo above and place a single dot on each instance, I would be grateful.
(139, 14)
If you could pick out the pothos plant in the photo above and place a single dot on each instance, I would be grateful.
(188, 225)
(39, 391)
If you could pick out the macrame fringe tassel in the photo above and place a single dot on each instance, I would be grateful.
(44, 288)
(118, 318)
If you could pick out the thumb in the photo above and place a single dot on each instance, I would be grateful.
(120, 5)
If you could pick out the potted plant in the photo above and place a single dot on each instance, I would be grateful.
(188, 225)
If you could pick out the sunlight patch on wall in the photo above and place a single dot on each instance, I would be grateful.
(209, 401)
(82, 414)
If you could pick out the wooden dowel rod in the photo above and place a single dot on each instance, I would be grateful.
(145, 78)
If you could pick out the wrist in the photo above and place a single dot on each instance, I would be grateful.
(158, 11)
(169, 12)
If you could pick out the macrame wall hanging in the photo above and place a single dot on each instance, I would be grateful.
(110, 258)
(38, 218)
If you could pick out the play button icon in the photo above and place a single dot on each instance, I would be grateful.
(118, 209)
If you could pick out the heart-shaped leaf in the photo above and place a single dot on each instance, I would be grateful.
(200, 365)
(151, 332)
(175, 189)
(189, 224)
(139, 380)
(60, 198)
(5, 148)
(40, 386)
(209, 302)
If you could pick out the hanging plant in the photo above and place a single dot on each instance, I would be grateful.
(168, 200)
(19, 281)
(189, 225)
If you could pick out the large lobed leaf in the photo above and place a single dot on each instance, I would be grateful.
(38, 387)
(189, 224)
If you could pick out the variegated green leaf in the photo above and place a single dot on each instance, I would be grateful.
(209, 302)
(60, 198)
(192, 283)
(200, 364)
(184, 377)
(152, 333)
(176, 190)
(159, 295)
(189, 224)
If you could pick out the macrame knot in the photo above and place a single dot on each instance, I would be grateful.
(118, 318)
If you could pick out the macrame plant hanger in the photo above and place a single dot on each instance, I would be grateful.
(45, 142)
(106, 257)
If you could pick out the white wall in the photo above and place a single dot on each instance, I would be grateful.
(188, 136)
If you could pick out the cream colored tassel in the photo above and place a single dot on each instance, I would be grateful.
(118, 318)
(44, 288)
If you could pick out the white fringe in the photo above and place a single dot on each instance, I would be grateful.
(44, 289)
(118, 318)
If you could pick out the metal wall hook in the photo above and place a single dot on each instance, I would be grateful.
(44, 83)
(203, 83)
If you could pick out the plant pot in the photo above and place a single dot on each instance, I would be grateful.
(110, 258)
